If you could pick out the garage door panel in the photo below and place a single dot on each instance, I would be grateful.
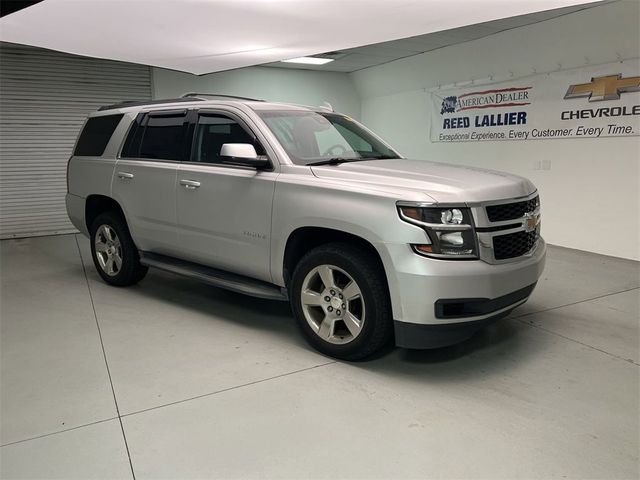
(45, 97)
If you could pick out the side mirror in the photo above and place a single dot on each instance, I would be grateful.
(243, 154)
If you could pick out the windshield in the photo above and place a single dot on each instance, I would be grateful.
(312, 137)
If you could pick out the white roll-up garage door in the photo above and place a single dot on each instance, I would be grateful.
(45, 97)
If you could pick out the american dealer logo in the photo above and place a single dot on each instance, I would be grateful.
(498, 98)
(503, 97)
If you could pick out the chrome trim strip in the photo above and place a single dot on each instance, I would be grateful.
(402, 203)
(441, 256)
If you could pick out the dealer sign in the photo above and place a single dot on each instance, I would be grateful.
(588, 102)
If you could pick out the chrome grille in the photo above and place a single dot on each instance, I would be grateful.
(511, 211)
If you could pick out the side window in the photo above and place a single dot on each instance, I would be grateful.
(213, 131)
(164, 137)
(96, 135)
(131, 147)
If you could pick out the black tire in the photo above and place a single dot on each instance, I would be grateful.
(366, 271)
(131, 271)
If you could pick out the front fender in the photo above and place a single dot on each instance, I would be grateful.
(371, 217)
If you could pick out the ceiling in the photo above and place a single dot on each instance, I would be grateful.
(204, 36)
(352, 59)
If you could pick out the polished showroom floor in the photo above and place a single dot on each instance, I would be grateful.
(176, 379)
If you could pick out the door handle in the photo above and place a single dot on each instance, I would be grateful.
(125, 175)
(189, 184)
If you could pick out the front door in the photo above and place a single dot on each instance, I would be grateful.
(224, 211)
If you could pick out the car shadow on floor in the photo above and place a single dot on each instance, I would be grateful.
(486, 350)
(501, 349)
(251, 312)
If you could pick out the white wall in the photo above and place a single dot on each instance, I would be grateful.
(593, 184)
(268, 83)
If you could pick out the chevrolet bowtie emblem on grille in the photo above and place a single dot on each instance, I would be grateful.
(608, 87)
(531, 221)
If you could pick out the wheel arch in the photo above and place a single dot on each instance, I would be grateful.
(97, 204)
(303, 239)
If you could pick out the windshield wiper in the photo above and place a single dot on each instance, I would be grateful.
(339, 160)
(331, 161)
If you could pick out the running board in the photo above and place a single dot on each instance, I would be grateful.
(212, 276)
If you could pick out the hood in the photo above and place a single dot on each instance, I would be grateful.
(443, 182)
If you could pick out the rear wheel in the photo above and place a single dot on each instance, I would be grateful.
(115, 256)
(340, 299)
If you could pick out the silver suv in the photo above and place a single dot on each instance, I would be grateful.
(298, 203)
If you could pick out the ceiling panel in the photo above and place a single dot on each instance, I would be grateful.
(384, 52)
(202, 36)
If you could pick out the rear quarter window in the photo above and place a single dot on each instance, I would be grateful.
(96, 135)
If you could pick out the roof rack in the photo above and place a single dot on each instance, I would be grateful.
(218, 95)
(187, 97)
(138, 103)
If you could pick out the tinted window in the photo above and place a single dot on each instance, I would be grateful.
(164, 137)
(214, 131)
(96, 134)
(131, 147)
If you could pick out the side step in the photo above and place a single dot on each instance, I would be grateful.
(219, 278)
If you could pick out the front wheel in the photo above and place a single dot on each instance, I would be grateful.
(340, 299)
(115, 256)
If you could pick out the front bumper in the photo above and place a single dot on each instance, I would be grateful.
(414, 335)
(444, 293)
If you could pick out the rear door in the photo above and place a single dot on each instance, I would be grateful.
(224, 211)
(144, 181)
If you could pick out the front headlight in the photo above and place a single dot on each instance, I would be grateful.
(449, 229)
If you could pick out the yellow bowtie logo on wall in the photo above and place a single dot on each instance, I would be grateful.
(608, 87)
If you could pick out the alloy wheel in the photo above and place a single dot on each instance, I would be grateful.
(332, 304)
(108, 250)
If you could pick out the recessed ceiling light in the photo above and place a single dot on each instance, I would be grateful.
(309, 60)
